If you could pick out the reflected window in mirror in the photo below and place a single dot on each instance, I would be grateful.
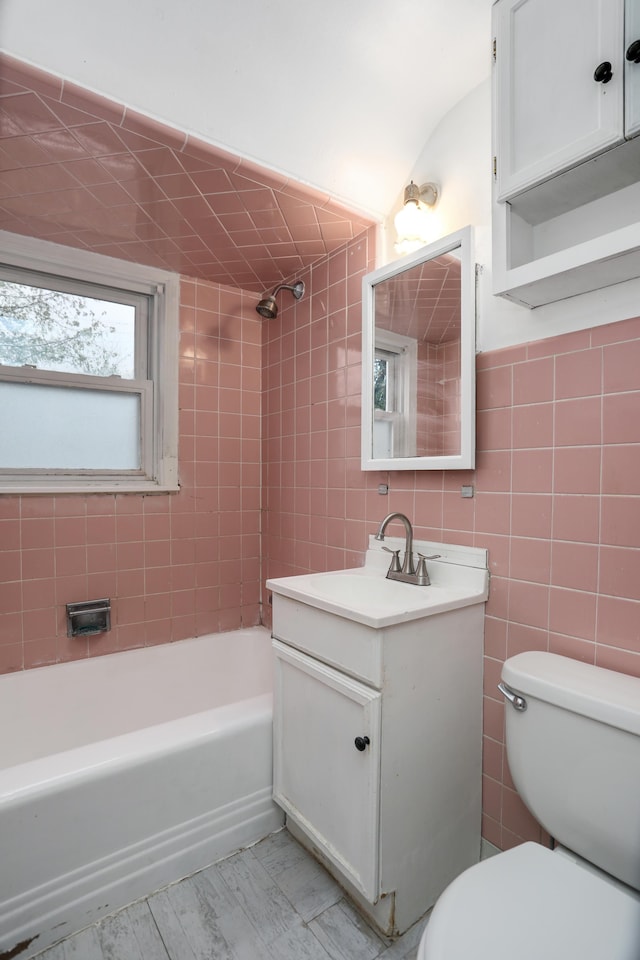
(394, 384)
(419, 349)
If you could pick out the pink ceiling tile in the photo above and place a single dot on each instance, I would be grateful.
(196, 150)
(261, 200)
(99, 140)
(236, 222)
(60, 145)
(268, 218)
(144, 190)
(146, 127)
(227, 203)
(340, 231)
(110, 194)
(254, 229)
(149, 230)
(25, 113)
(159, 161)
(10, 117)
(312, 249)
(26, 77)
(22, 152)
(68, 116)
(90, 102)
(177, 185)
(269, 178)
(167, 215)
(121, 167)
(213, 180)
(50, 177)
(194, 208)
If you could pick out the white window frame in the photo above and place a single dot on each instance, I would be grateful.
(156, 382)
(400, 413)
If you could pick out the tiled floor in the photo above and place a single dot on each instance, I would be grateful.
(270, 902)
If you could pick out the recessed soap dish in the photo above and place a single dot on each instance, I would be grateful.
(89, 617)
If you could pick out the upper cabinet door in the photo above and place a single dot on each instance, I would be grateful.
(632, 68)
(550, 112)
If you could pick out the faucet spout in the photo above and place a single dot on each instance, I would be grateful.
(408, 567)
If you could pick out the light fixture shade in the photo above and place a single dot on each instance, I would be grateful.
(412, 220)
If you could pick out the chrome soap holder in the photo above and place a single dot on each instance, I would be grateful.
(89, 617)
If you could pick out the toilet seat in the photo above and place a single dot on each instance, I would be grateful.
(533, 904)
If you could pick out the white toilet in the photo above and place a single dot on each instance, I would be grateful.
(573, 742)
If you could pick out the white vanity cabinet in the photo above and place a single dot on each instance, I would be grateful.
(566, 164)
(377, 744)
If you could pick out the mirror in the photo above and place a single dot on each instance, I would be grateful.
(418, 355)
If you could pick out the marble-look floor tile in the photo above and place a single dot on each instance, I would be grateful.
(304, 882)
(345, 935)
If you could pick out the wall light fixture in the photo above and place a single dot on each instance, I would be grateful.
(411, 221)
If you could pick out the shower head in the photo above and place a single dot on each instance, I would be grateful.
(268, 308)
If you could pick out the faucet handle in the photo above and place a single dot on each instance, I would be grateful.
(422, 564)
(395, 560)
(422, 573)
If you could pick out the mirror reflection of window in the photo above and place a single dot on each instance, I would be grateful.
(394, 385)
(381, 375)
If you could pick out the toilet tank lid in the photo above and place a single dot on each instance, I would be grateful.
(603, 695)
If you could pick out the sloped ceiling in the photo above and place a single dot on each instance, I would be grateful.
(79, 170)
(325, 106)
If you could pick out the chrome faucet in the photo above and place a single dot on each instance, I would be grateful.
(408, 572)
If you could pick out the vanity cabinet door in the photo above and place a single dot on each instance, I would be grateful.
(550, 112)
(322, 779)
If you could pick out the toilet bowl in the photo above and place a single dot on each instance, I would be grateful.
(531, 903)
(573, 743)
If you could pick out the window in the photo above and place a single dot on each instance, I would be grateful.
(88, 372)
(394, 384)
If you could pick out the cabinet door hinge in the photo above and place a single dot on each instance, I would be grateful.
(493, 49)
(495, 168)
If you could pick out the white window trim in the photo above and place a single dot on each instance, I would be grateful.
(404, 419)
(160, 447)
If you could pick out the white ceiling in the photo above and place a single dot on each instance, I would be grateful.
(338, 94)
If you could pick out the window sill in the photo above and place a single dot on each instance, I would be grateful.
(53, 489)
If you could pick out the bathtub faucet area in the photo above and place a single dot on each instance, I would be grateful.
(408, 572)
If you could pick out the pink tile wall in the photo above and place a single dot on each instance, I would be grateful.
(557, 488)
(174, 566)
(438, 408)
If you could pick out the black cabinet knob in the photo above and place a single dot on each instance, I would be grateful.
(362, 743)
(603, 72)
(633, 51)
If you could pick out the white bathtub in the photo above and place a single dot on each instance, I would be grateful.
(123, 773)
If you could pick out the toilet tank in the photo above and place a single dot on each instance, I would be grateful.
(574, 755)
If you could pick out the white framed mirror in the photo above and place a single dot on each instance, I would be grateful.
(418, 357)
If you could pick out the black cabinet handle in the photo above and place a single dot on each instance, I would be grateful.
(633, 51)
(362, 743)
(603, 72)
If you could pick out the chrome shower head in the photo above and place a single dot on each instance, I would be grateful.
(268, 308)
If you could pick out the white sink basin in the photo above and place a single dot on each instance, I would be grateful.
(364, 594)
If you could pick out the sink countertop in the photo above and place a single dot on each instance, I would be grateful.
(459, 577)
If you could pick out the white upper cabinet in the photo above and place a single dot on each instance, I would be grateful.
(632, 68)
(559, 72)
(566, 119)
